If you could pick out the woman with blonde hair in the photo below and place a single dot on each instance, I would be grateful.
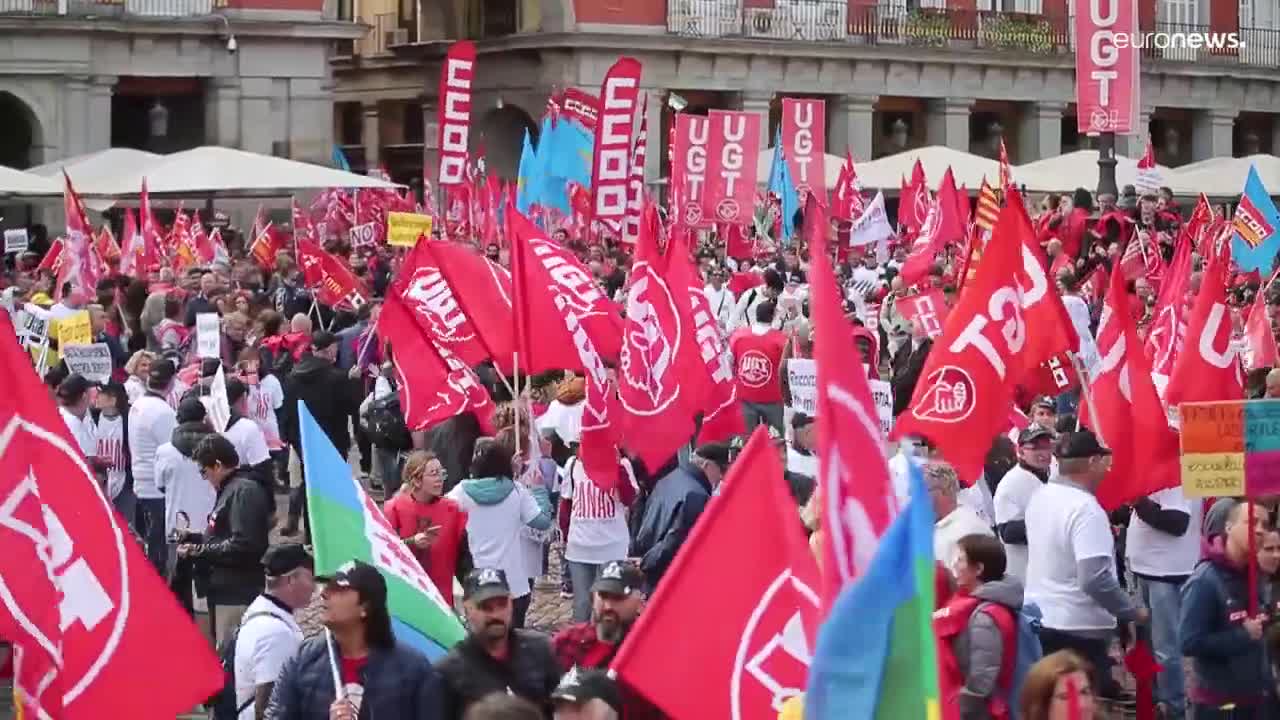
(1049, 685)
(434, 527)
(138, 367)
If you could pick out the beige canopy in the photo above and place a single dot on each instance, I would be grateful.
(968, 169)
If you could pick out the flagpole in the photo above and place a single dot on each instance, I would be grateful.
(1084, 390)
(515, 395)
(339, 690)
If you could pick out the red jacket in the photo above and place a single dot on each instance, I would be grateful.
(578, 646)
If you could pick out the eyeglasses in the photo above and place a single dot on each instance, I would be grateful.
(434, 472)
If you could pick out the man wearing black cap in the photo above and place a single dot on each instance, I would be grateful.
(618, 598)
(1014, 492)
(1044, 412)
(151, 424)
(588, 695)
(269, 636)
(1071, 571)
(495, 657)
(381, 677)
(331, 398)
(675, 504)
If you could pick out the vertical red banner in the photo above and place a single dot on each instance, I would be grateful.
(454, 114)
(733, 154)
(689, 168)
(804, 140)
(611, 164)
(1107, 75)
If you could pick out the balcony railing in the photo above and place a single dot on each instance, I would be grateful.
(111, 8)
(894, 24)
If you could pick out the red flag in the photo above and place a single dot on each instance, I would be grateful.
(635, 180)
(733, 151)
(930, 307)
(953, 210)
(766, 606)
(267, 242)
(914, 201)
(1006, 174)
(1168, 327)
(858, 505)
(1124, 409)
(53, 260)
(1262, 350)
(152, 238)
(83, 607)
(804, 134)
(329, 278)
(1208, 368)
(928, 241)
(83, 267)
(610, 165)
(985, 349)
(435, 385)
(483, 290)
(432, 303)
(454, 113)
(133, 254)
(655, 391)
(688, 155)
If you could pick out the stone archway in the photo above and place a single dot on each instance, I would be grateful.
(22, 143)
(502, 133)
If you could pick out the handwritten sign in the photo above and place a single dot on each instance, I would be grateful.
(208, 336)
(15, 240)
(92, 361)
(363, 236)
(74, 329)
(404, 229)
(1230, 448)
(32, 326)
(802, 377)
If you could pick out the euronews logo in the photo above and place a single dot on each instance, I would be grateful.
(1179, 41)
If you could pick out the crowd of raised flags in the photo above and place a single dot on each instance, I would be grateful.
(851, 622)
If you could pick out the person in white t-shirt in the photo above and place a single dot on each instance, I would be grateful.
(73, 406)
(248, 438)
(720, 298)
(269, 636)
(188, 497)
(111, 449)
(954, 520)
(1162, 546)
(151, 423)
(1071, 568)
(1014, 492)
(594, 524)
(497, 510)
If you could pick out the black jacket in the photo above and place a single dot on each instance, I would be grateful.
(469, 673)
(399, 684)
(453, 441)
(907, 364)
(231, 552)
(197, 305)
(675, 504)
(329, 395)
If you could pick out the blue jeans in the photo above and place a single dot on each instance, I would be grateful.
(126, 503)
(1164, 601)
(151, 528)
(584, 576)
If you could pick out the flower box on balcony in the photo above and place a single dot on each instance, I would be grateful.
(926, 27)
(1010, 31)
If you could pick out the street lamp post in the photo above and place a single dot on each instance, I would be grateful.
(1107, 164)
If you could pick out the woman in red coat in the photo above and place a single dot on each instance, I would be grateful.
(433, 527)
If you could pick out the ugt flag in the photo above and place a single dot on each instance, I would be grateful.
(875, 657)
(1256, 221)
(95, 631)
(346, 525)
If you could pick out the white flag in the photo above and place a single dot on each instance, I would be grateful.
(872, 226)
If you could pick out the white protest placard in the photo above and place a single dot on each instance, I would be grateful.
(363, 236)
(93, 361)
(216, 402)
(15, 240)
(208, 336)
(802, 377)
(32, 325)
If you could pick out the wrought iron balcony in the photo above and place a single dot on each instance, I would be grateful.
(111, 8)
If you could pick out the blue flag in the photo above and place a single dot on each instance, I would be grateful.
(340, 159)
(1256, 221)
(781, 186)
(875, 656)
(525, 174)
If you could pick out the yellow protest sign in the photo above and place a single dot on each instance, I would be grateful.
(74, 329)
(1213, 474)
(404, 229)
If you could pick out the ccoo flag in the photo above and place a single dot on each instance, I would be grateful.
(1256, 222)
(347, 525)
(875, 655)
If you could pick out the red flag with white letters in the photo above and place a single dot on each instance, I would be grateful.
(804, 134)
(81, 605)
(930, 307)
(431, 301)
(483, 291)
(853, 480)
(611, 161)
(329, 278)
(733, 153)
(453, 117)
(1125, 410)
(1208, 368)
(746, 571)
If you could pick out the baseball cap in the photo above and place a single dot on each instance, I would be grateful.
(1079, 444)
(1032, 433)
(322, 339)
(282, 559)
(191, 410)
(161, 374)
(580, 686)
(484, 583)
(73, 387)
(1044, 401)
(618, 578)
(801, 420)
(361, 577)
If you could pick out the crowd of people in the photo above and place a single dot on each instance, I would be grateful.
(1024, 551)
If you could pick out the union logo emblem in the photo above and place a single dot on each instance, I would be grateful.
(773, 657)
(754, 369)
(950, 396)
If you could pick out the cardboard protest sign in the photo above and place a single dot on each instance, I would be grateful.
(1230, 448)
(404, 229)
(802, 378)
(208, 336)
(92, 361)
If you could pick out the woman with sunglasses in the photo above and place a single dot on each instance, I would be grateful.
(433, 527)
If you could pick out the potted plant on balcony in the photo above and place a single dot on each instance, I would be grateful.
(925, 26)
(1016, 31)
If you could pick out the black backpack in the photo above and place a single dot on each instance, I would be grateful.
(223, 704)
(387, 428)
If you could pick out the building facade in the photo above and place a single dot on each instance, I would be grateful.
(166, 75)
(896, 74)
